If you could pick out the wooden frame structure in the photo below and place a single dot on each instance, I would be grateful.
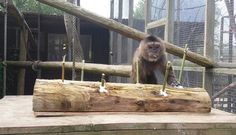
(168, 22)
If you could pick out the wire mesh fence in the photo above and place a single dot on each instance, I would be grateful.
(189, 29)
(225, 51)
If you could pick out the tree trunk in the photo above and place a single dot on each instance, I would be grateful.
(75, 96)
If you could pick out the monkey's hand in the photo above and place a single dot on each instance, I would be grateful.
(102, 89)
(163, 93)
(176, 84)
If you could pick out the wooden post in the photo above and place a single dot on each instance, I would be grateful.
(5, 49)
(125, 30)
(119, 37)
(111, 41)
(178, 6)
(209, 43)
(148, 5)
(22, 57)
(130, 24)
(169, 27)
(230, 7)
(39, 38)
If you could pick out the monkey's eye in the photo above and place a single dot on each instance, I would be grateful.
(150, 47)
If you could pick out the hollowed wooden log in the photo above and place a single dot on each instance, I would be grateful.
(76, 96)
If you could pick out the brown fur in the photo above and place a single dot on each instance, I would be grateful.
(151, 55)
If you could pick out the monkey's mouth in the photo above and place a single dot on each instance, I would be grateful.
(153, 58)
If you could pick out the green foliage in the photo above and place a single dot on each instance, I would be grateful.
(34, 6)
(139, 10)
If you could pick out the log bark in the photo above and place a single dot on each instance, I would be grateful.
(75, 96)
(124, 30)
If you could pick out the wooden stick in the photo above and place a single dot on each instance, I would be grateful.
(63, 69)
(137, 71)
(230, 86)
(103, 80)
(82, 71)
(168, 65)
(183, 62)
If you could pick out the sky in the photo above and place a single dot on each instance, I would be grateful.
(102, 7)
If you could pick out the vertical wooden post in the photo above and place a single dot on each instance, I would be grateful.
(39, 38)
(111, 40)
(111, 32)
(178, 6)
(221, 38)
(119, 37)
(130, 24)
(5, 48)
(169, 27)
(77, 23)
(22, 57)
(231, 30)
(209, 43)
(148, 4)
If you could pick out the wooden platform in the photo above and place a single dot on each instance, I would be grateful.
(17, 117)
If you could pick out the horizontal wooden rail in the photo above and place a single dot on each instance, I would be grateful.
(117, 70)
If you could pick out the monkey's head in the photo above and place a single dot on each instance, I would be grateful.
(152, 48)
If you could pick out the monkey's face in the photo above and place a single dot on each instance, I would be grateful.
(152, 51)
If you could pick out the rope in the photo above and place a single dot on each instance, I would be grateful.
(35, 65)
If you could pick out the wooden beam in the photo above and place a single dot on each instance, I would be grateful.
(194, 69)
(228, 71)
(225, 65)
(156, 24)
(123, 29)
(76, 96)
(118, 70)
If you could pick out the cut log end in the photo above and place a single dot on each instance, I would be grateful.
(75, 96)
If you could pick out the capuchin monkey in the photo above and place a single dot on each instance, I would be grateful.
(151, 56)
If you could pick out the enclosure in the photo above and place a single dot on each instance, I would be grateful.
(36, 34)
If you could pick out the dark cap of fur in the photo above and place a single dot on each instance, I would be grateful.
(152, 38)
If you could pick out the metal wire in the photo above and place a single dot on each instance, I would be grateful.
(72, 35)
